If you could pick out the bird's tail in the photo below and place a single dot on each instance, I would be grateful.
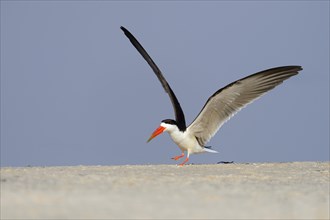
(208, 149)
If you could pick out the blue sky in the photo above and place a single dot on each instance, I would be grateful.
(74, 91)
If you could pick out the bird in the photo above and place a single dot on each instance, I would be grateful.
(217, 110)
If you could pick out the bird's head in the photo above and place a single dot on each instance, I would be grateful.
(168, 125)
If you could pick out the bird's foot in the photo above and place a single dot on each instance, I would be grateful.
(178, 157)
(185, 161)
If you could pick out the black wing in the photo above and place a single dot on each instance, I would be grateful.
(179, 116)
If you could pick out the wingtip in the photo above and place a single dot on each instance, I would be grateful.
(297, 67)
(292, 67)
(126, 32)
(123, 28)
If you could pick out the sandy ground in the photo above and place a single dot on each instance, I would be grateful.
(221, 191)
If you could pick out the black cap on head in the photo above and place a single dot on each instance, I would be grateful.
(170, 121)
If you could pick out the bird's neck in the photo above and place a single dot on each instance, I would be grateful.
(177, 135)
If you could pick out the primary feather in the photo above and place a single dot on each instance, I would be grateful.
(226, 102)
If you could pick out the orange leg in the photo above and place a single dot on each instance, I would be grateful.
(185, 161)
(178, 157)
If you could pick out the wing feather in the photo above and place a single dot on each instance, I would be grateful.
(179, 115)
(226, 102)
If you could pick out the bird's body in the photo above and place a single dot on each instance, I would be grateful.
(218, 109)
(185, 140)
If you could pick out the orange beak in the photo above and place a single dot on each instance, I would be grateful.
(157, 132)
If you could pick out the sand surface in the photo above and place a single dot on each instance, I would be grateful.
(298, 190)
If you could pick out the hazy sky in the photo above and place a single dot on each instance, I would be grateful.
(74, 91)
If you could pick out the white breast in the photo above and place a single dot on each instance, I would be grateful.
(186, 141)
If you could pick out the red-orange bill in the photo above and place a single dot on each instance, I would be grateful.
(157, 132)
